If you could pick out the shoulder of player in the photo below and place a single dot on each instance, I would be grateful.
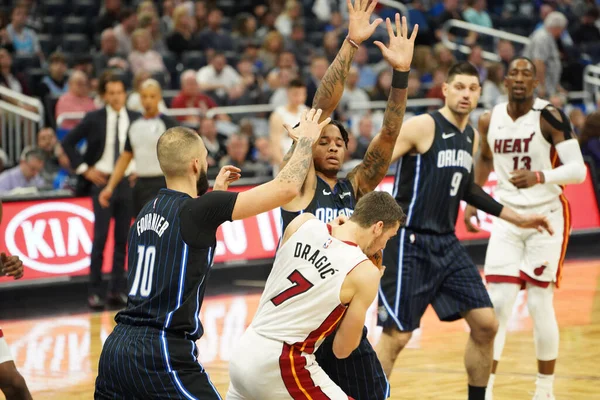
(296, 224)
(365, 272)
(417, 128)
(484, 122)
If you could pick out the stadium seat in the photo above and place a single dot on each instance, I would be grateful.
(47, 43)
(315, 38)
(75, 43)
(55, 8)
(85, 8)
(51, 25)
(34, 76)
(193, 60)
(75, 25)
(24, 62)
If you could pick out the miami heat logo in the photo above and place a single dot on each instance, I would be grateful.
(539, 270)
(327, 243)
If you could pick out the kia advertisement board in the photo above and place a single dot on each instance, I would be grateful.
(54, 237)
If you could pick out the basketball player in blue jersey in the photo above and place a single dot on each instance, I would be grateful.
(151, 353)
(425, 262)
(326, 196)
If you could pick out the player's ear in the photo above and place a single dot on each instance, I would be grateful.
(378, 228)
(445, 89)
(535, 83)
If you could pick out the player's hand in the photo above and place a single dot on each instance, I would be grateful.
(11, 266)
(359, 16)
(104, 197)
(377, 259)
(470, 213)
(96, 177)
(227, 175)
(523, 178)
(535, 221)
(399, 53)
(309, 125)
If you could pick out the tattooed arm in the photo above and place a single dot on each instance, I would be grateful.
(368, 174)
(288, 182)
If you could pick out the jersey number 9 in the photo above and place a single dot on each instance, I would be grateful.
(455, 184)
(144, 270)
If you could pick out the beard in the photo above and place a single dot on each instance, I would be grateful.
(202, 184)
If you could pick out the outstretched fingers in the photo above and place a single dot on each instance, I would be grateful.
(325, 122)
(372, 6)
(413, 35)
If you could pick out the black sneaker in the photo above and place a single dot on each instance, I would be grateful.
(95, 302)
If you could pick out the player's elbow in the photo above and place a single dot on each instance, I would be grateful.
(580, 173)
(289, 192)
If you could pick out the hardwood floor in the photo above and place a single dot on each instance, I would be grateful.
(58, 355)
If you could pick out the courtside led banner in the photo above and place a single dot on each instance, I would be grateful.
(54, 237)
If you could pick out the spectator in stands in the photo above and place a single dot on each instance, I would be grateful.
(493, 90)
(443, 57)
(267, 25)
(336, 23)
(180, 39)
(123, 31)
(545, 10)
(5, 40)
(166, 21)
(587, 31)
(381, 91)
(590, 140)
(543, 50)
(297, 43)
(476, 58)
(476, 13)
(252, 84)
(435, 91)
(214, 36)
(245, 30)
(150, 21)
(26, 174)
(55, 157)
(190, 96)
(577, 118)
(286, 114)
(200, 16)
(285, 20)
(279, 82)
(108, 56)
(331, 44)
(109, 17)
(350, 159)
(366, 75)
(238, 147)
(77, 99)
(353, 95)
(506, 51)
(24, 40)
(287, 60)
(272, 47)
(146, 6)
(7, 79)
(414, 90)
(423, 62)
(143, 58)
(318, 68)
(365, 134)
(262, 152)
(134, 101)
(55, 83)
(452, 11)
(215, 143)
(218, 77)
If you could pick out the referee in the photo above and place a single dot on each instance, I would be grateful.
(142, 138)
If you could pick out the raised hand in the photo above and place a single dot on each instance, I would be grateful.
(399, 53)
(309, 125)
(359, 26)
(227, 175)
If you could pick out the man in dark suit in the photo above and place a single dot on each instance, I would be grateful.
(105, 131)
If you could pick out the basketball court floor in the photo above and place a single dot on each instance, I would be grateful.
(58, 355)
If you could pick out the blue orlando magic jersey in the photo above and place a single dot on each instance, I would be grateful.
(430, 186)
(171, 249)
(327, 203)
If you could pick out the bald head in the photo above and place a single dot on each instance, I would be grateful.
(177, 149)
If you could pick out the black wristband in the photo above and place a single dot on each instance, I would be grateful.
(400, 79)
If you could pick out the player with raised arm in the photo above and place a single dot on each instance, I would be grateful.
(524, 141)
(12, 383)
(426, 264)
(326, 196)
(151, 353)
(321, 279)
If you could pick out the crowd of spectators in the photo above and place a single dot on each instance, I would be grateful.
(211, 53)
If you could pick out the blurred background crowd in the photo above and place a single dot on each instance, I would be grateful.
(210, 55)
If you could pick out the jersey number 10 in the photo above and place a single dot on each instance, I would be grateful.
(144, 270)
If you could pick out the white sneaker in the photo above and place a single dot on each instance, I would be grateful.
(489, 394)
(543, 395)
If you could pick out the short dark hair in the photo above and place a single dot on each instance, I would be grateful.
(107, 77)
(57, 57)
(462, 68)
(525, 59)
(378, 206)
(296, 83)
(30, 153)
(342, 129)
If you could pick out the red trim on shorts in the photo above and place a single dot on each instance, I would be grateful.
(292, 363)
(522, 280)
(526, 278)
(329, 228)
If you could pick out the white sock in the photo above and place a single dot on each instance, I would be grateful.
(545, 382)
(490, 384)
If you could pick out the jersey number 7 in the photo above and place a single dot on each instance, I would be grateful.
(301, 285)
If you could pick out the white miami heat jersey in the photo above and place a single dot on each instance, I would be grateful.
(517, 145)
(301, 301)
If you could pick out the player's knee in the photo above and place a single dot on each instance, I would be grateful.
(484, 331)
(397, 339)
(13, 383)
(539, 301)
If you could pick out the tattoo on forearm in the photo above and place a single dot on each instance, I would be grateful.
(297, 168)
(290, 152)
(331, 87)
(394, 112)
(375, 163)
